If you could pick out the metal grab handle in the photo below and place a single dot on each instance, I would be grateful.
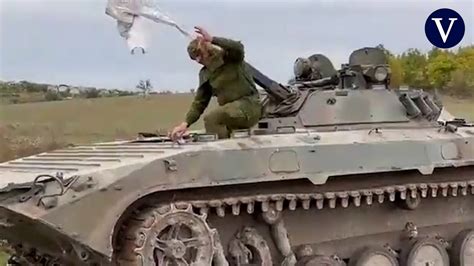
(56, 178)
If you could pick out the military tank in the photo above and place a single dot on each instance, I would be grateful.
(341, 170)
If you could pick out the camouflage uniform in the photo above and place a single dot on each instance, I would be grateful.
(227, 78)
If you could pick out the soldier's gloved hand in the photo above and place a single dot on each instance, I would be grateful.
(178, 131)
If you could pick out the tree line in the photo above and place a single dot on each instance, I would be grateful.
(449, 71)
(26, 91)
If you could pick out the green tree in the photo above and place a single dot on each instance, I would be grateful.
(414, 64)
(440, 66)
(92, 93)
(465, 57)
(462, 79)
(434, 52)
(397, 72)
(32, 87)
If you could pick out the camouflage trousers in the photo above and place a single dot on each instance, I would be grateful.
(240, 114)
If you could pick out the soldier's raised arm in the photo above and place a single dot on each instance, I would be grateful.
(234, 50)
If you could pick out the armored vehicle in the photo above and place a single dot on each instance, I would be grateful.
(341, 170)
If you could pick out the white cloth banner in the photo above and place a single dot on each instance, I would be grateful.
(130, 14)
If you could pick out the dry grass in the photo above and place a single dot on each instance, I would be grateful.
(27, 129)
(3, 258)
(4, 251)
(460, 107)
(86, 120)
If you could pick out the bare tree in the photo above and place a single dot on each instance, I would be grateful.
(145, 86)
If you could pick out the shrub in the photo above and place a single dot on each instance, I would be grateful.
(52, 96)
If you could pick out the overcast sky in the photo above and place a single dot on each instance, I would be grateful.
(74, 42)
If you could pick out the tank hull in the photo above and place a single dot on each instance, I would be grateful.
(316, 178)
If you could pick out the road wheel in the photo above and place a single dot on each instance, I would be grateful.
(424, 251)
(462, 250)
(166, 235)
(374, 256)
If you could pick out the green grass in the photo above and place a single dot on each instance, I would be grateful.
(87, 120)
(3, 258)
(26, 129)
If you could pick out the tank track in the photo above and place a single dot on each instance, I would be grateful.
(134, 229)
(333, 199)
(140, 221)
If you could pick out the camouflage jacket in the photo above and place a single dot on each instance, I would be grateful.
(228, 81)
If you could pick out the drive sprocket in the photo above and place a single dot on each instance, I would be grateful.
(170, 234)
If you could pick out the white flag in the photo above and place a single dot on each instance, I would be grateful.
(129, 15)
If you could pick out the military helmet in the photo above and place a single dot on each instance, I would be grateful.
(196, 46)
(194, 49)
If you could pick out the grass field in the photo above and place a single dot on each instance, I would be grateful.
(30, 128)
(34, 127)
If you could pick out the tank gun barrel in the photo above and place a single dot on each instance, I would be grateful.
(277, 91)
(333, 80)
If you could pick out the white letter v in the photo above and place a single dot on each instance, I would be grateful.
(444, 35)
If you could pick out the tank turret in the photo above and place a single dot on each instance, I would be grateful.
(368, 68)
(359, 94)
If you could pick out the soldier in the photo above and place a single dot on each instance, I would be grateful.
(225, 76)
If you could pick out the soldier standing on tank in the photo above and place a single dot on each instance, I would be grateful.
(225, 76)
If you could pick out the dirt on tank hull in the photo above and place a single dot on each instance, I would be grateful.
(349, 219)
(341, 170)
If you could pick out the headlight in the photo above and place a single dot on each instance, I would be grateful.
(381, 74)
